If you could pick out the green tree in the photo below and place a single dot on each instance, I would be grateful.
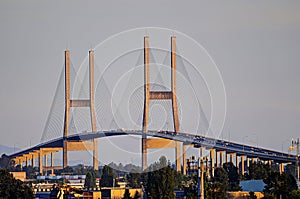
(258, 171)
(159, 181)
(295, 194)
(291, 169)
(12, 188)
(216, 191)
(90, 180)
(279, 185)
(6, 162)
(179, 178)
(219, 185)
(80, 170)
(134, 180)
(163, 161)
(127, 194)
(68, 169)
(233, 176)
(222, 177)
(107, 178)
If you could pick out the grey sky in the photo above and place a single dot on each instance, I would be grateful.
(255, 44)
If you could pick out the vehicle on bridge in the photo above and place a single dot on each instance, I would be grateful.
(172, 133)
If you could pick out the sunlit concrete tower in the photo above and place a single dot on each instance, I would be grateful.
(159, 95)
(74, 103)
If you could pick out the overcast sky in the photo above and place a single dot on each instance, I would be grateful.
(255, 44)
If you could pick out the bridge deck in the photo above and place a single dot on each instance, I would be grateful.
(195, 140)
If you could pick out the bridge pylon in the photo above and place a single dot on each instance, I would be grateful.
(159, 95)
(74, 103)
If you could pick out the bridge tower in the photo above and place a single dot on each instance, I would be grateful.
(159, 95)
(74, 103)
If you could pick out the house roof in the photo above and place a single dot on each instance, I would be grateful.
(252, 185)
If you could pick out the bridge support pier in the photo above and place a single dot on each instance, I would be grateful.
(41, 161)
(231, 157)
(281, 168)
(207, 170)
(243, 164)
(20, 162)
(178, 156)
(221, 157)
(26, 161)
(270, 162)
(52, 162)
(184, 159)
(26, 158)
(65, 154)
(237, 162)
(42, 156)
(34, 155)
(212, 161)
(217, 161)
(201, 149)
(32, 161)
(265, 162)
(248, 163)
(46, 160)
(144, 152)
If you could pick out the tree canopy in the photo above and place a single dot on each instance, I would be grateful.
(159, 181)
(258, 171)
(233, 176)
(219, 184)
(107, 178)
(90, 180)
(12, 188)
(6, 162)
(279, 184)
(134, 179)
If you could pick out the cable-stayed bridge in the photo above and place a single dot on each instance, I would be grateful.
(210, 143)
(150, 92)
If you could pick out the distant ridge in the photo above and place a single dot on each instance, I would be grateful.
(7, 150)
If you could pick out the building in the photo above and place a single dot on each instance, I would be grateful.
(117, 193)
(19, 175)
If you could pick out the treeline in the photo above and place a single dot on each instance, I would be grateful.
(13, 188)
(160, 179)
